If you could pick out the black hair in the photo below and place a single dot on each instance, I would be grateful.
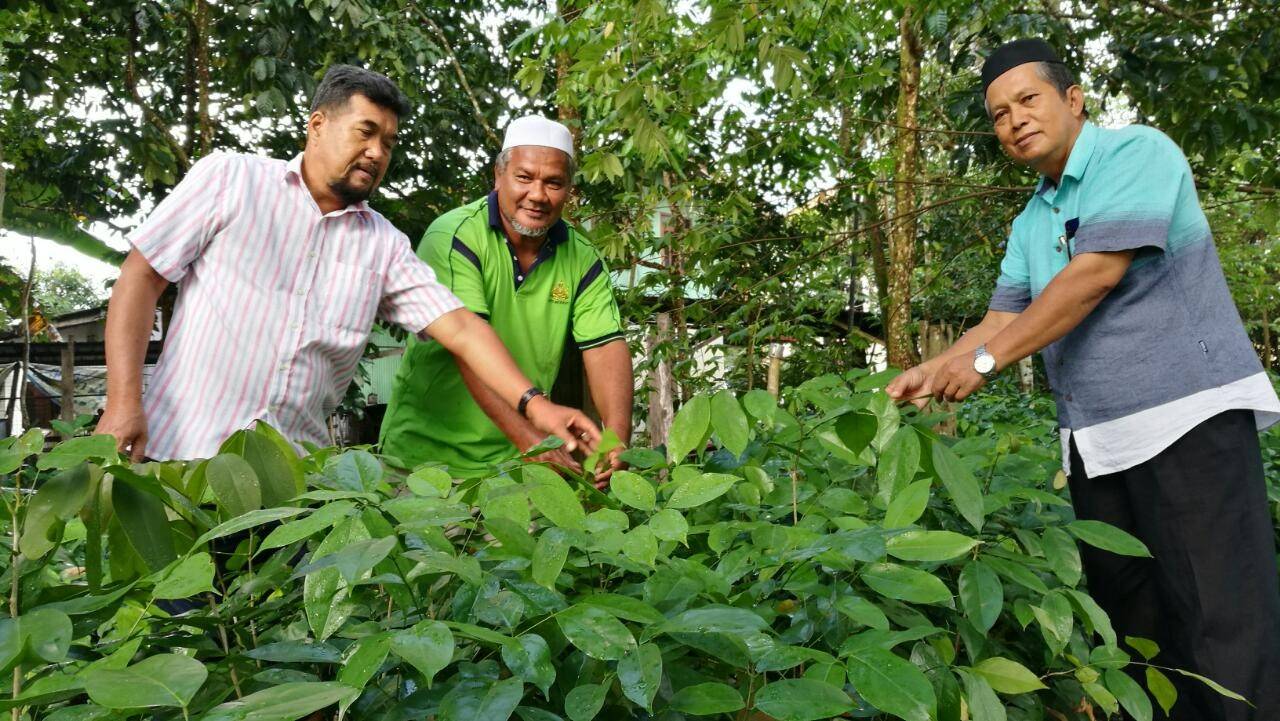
(340, 82)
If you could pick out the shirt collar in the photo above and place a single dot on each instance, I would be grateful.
(558, 233)
(1078, 160)
(293, 171)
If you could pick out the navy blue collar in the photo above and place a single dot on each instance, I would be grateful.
(558, 234)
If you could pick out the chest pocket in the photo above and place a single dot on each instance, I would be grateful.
(348, 296)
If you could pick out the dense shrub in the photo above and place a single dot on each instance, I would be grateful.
(828, 556)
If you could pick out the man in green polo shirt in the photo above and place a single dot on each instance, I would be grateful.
(511, 259)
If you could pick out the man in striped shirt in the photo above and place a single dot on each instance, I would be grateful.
(282, 268)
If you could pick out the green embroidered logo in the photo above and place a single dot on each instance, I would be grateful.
(560, 292)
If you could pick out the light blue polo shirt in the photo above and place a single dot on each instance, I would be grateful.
(1165, 350)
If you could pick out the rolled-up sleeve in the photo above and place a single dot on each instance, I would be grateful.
(413, 298)
(1013, 288)
(596, 320)
(1145, 177)
(180, 228)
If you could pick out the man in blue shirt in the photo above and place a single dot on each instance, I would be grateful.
(1111, 273)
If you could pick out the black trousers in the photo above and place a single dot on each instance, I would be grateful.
(1210, 596)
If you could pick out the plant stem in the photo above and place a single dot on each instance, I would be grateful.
(226, 649)
(15, 571)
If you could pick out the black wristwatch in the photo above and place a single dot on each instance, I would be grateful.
(529, 395)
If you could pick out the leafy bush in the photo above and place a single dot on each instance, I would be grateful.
(824, 557)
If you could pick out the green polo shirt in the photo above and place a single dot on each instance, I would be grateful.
(431, 416)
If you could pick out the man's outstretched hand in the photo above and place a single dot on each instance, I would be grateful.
(129, 426)
(915, 385)
(570, 425)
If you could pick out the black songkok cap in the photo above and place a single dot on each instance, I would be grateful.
(1015, 53)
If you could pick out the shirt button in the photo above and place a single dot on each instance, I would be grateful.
(297, 326)
(300, 292)
(1056, 210)
(519, 277)
(1068, 396)
(311, 255)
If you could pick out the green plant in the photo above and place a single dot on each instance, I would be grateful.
(825, 556)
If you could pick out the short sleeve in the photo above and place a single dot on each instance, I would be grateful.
(596, 320)
(412, 297)
(1013, 287)
(178, 230)
(457, 265)
(1144, 177)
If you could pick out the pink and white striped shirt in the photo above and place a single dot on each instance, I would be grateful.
(275, 302)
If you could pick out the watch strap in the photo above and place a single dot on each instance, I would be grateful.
(529, 395)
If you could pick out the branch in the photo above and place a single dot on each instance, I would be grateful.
(131, 84)
(1166, 10)
(942, 131)
(462, 77)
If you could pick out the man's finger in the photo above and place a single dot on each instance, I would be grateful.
(138, 449)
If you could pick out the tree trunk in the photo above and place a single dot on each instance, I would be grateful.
(67, 385)
(200, 58)
(1267, 352)
(662, 407)
(935, 339)
(2, 185)
(902, 236)
(775, 371)
(1026, 375)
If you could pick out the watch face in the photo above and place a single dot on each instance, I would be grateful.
(984, 364)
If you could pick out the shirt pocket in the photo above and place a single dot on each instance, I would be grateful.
(349, 296)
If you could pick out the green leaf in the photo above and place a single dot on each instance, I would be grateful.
(642, 457)
(929, 545)
(802, 699)
(960, 483)
(324, 593)
(1145, 646)
(529, 658)
(1130, 695)
(354, 471)
(428, 647)
(707, 699)
(553, 497)
(490, 702)
(584, 702)
(362, 660)
(633, 490)
(234, 484)
(1056, 620)
(143, 520)
(856, 430)
(1008, 676)
(278, 476)
(549, 557)
(632, 609)
(1017, 572)
(862, 611)
(1097, 617)
(640, 545)
(714, 618)
(1162, 689)
(688, 428)
(46, 632)
(898, 463)
(1063, 555)
(669, 525)
(640, 674)
(983, 702)
(729, 422)
(893, 684)
(75, 451)
(1219, 688)
(165, 680)
(1108, 538)
(57, 501)
(908, 505)
(701, 489)
(761, 405)
(981, 595)
(286, 702)
(191, 576)
(354, 561)
(595, 632)
(905, 584)
(511, 535)
(431, 482)
(252, 519)
(295, 652)
(292, 531)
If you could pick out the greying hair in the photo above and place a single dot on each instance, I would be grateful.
(1056, 74)
(342, 81)
(504, 157)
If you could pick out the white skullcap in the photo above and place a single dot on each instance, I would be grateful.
(537, 130)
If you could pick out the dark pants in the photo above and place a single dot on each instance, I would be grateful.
(1210, 596)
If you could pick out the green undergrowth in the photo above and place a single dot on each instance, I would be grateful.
(826, 556)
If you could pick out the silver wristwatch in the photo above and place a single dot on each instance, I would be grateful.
(984, 363)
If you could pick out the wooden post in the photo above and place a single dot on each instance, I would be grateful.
(775, 370)
(662, 406)
(936, 338)
(68, 384)
(1026, 375)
